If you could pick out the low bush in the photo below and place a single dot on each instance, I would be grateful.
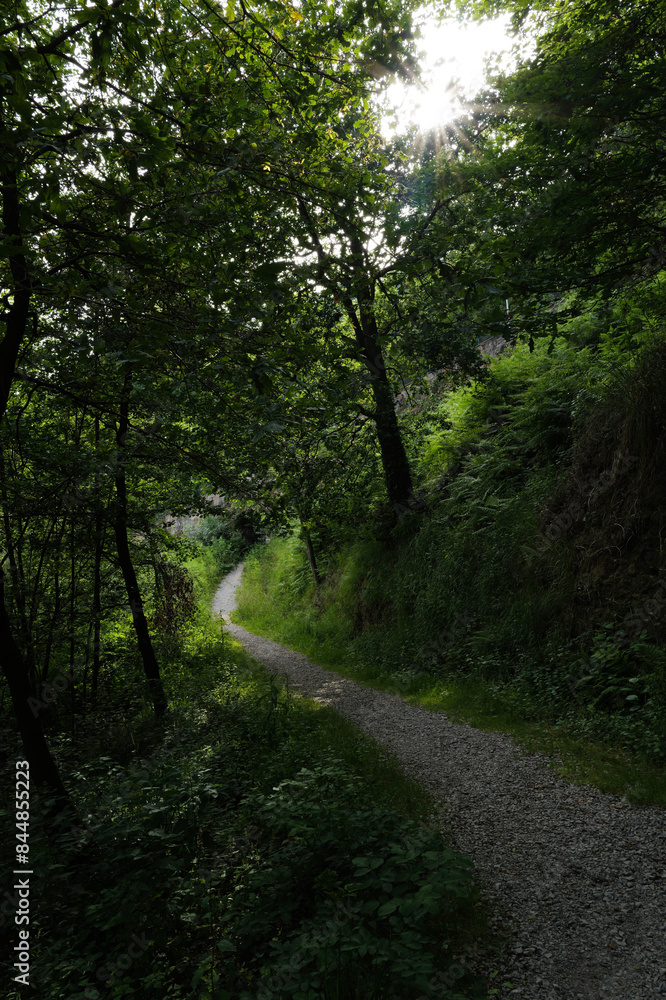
(345, 899)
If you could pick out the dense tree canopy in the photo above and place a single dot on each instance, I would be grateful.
(576, 144)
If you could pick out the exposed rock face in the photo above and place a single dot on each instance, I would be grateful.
(494, 346)
(183, 523)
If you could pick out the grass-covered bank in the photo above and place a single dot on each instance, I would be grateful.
(253, 845)
(522, 597)
(328, 638)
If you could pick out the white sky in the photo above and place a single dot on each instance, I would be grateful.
(453, 69)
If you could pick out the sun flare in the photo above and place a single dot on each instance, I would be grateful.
(454, 60)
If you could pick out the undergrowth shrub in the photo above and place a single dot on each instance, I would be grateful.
(619, 684)
(226, 536)
(345, 899)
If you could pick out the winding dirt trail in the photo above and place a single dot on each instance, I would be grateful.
(575, 877)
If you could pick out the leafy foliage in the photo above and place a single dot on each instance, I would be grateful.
(353, 899)
(577, 195)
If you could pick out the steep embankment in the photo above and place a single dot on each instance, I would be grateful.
(575, 877)
(533, 568)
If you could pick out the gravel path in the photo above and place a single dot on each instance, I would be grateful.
(576, 878)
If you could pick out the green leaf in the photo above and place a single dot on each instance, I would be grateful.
(226, 946)
(269, 272)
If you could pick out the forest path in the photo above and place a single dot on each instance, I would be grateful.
(577, 877)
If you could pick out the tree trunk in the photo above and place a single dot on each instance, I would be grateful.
(43, 770)
(312, 559)
(96, 610)
(18, 582)
(55, 617)
(397, 474)
(97, 592)
(15, 317)
(42, 766)
(395, 463)
(72, 621)
(150, 664)
(394, 458)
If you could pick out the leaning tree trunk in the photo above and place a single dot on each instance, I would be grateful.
(43, 770)
(17, 577)
(394, 458)
(42, 766)
(395, 463)
(150, 664)
(358, 297)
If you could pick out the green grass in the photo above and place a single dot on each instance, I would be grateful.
(206, 574)
(610, 769)
(330, 732)
(325, 637)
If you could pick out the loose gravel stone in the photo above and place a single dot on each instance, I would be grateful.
(576, 878)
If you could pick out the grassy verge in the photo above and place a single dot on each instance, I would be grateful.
(273, 603)
(205, 572)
